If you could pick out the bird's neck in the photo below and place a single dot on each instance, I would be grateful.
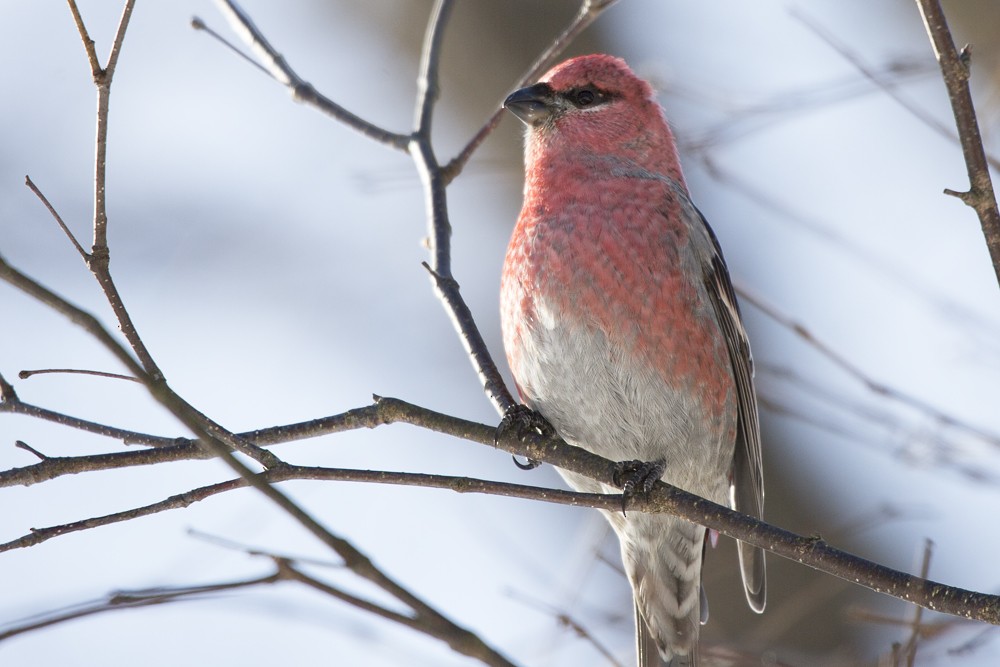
(547, 169)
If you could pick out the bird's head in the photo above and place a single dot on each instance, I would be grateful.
(594, 105)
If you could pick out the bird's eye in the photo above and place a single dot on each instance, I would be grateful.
(585, 97)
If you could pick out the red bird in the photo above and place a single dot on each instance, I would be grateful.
(622, 330)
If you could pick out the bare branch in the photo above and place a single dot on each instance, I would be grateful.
(811, 551)
(102, 79)
(449, 292)
(88, 43)
(21, 444)
(439, 232)
(51, 467)
(99, 259)
(198, 24)
(285, 569)
(116, 45)
(24, 375)
(131, 600)
(567, 620)
(302, 91)
(58, 218)
(197, 422)
(428, 83)
(955, 70)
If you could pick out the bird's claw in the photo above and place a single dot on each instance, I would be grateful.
(523, 420)
(637, 477)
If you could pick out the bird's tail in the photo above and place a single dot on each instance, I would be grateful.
(667, 584)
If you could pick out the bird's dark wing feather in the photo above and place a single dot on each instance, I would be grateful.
(747, 490)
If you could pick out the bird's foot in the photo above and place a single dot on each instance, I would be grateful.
(523, 420)
(637, 477)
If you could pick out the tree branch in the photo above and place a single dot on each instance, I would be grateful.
(955, 70)
(812, 551)
(302, 91)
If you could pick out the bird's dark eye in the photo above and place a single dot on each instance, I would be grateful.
(585, 97)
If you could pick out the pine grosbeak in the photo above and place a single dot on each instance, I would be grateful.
(622, 330)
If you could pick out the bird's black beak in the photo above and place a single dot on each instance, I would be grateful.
(532, 105)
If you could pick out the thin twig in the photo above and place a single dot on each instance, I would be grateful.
(21, 444)
(567, 620)
(955, 70)
(888, 86)
(302, 90)
(58, 218)
(855, 371)
(210, 432)
(131, 600)
(17, 407)
(910, 647)
(916, 284)
(88, 43)
(199, 24)
(428, 80)
(51, 467)
(24, 375)
(99, 258)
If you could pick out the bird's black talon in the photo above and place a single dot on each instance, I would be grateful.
(637, 477)
(529, 464)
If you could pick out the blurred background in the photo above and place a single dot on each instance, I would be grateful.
(270, 258)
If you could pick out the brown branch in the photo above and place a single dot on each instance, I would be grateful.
(285, 569)
(51, 467)
(302, 91)
(811, 551)
(157, 386)
(428, 80)
(383, 411)
(99, 259)
(439, 232)
(955, 70)
(13, 405)
(55, 214)
(218, 442)
(131, 600)
(25, 374)
(567, 620)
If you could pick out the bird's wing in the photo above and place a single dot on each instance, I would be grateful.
(747, 489)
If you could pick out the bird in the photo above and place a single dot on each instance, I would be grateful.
(622, 330)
